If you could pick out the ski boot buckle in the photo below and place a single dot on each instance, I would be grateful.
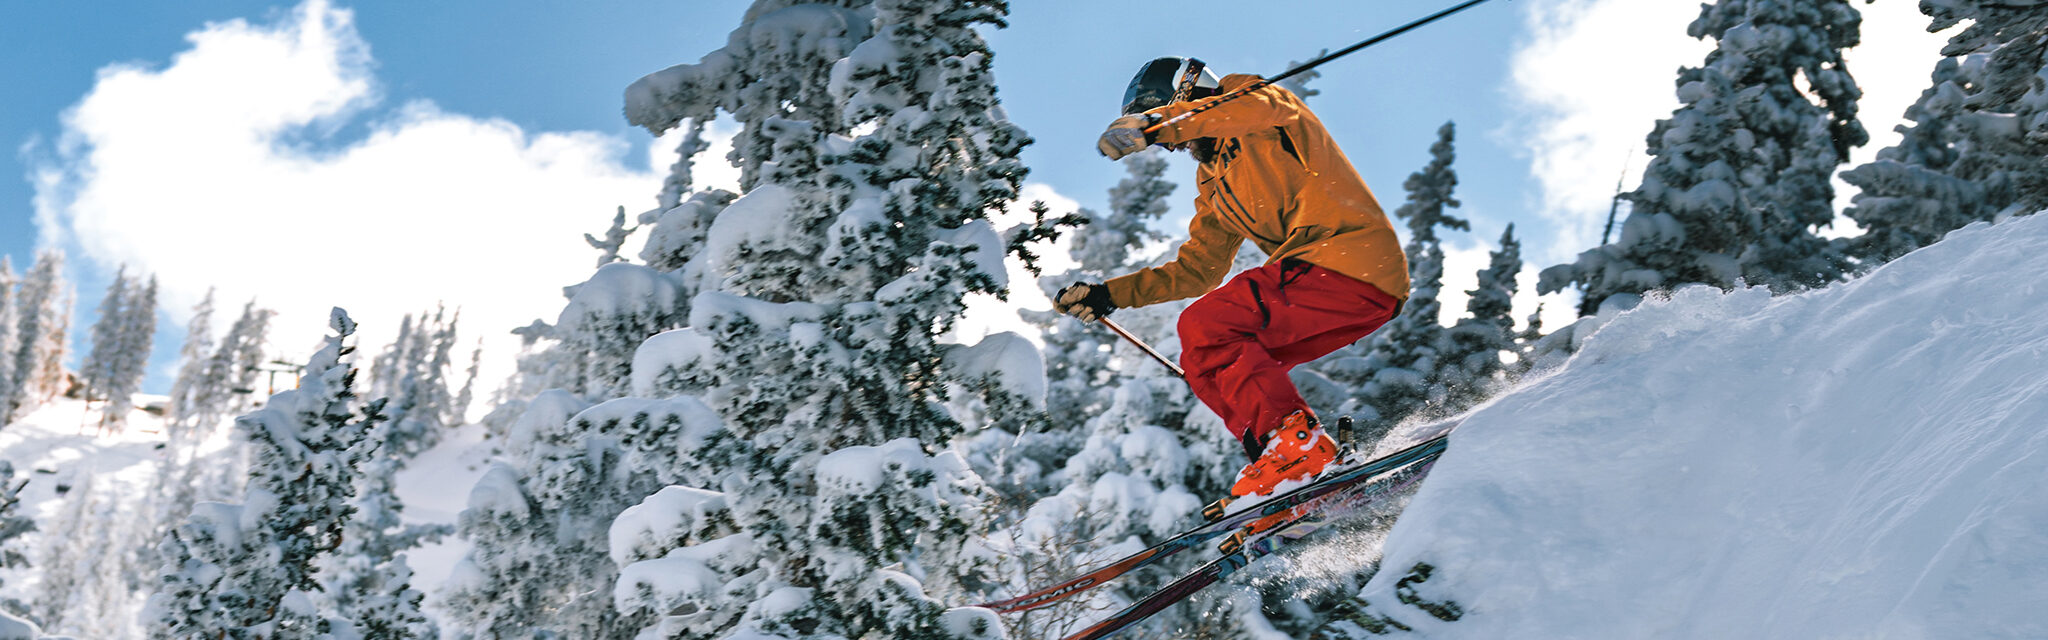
(1216, 510)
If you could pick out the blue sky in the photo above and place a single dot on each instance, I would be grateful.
(1551, 98)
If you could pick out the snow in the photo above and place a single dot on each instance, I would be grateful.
(684, 581)
(660, 521)
(759, 221)
(1859, 461)
(802, 33)
(988, 248)
(712, 308)
(427, 489)
(862, 469)
(12, 628)
(619, 289)
(664, 354)
(1015, 361)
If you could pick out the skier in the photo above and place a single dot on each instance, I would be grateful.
(1334, 272)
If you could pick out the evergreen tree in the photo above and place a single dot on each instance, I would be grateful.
(1526, 342)
(247, 570)
(537, 520)
(90, 572)
(134, 338)
(179, 472)
(813, 339)
(226, 381)
(192, 361)
(366, 577)
(1907, 198)
(45, 318)
(10, 331)
(1740, 176)
(1473, 347)
(1404, 356)
(97, 370)
(67, 559)
(2005, 50)
(12, 525)
(413, 373)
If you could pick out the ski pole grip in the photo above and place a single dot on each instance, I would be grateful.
(1119, 329)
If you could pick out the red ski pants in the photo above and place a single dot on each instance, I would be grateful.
(1239, 341)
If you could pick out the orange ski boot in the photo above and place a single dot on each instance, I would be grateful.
(1299, 449)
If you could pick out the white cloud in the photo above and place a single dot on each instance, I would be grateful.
(1596, 75)
(221, 168)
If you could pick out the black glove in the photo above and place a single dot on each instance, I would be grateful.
(1085, 300)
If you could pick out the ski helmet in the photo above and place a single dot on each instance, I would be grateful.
(1168, 80)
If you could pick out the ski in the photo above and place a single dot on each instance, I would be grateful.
(1225, 525)
(1311, 518)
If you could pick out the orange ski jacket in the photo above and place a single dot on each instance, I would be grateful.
(1279, 181)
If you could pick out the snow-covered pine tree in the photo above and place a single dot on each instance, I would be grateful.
(247, 570)
(413, 373)
(10, 330)
(224, 384)
(1298, 83)
(13, 612)
(12, 525)
(192, 358)
(1907, 198)
(1739, 178)
(40, 338)
(134, 339)
(178, 472)
(1974, 148)
(366, 577)
(90, 572)
(1473, 368)
(66, 559)
(97, 370)
(2006, 56)
(1527, 354)
(536, 521)
(1400, 371)
(814, 337)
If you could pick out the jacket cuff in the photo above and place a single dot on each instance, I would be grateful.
(1123, 292)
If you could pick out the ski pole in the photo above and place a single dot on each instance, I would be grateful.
(1262, 82)
(1119, 329)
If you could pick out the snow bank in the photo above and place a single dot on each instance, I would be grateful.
(1861, 461)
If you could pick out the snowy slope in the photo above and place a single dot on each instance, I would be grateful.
(1865, 461)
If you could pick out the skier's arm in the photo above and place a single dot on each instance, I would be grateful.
(1198, 268)
(1270, 106)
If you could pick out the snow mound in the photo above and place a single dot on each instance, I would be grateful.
(1860, 461)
